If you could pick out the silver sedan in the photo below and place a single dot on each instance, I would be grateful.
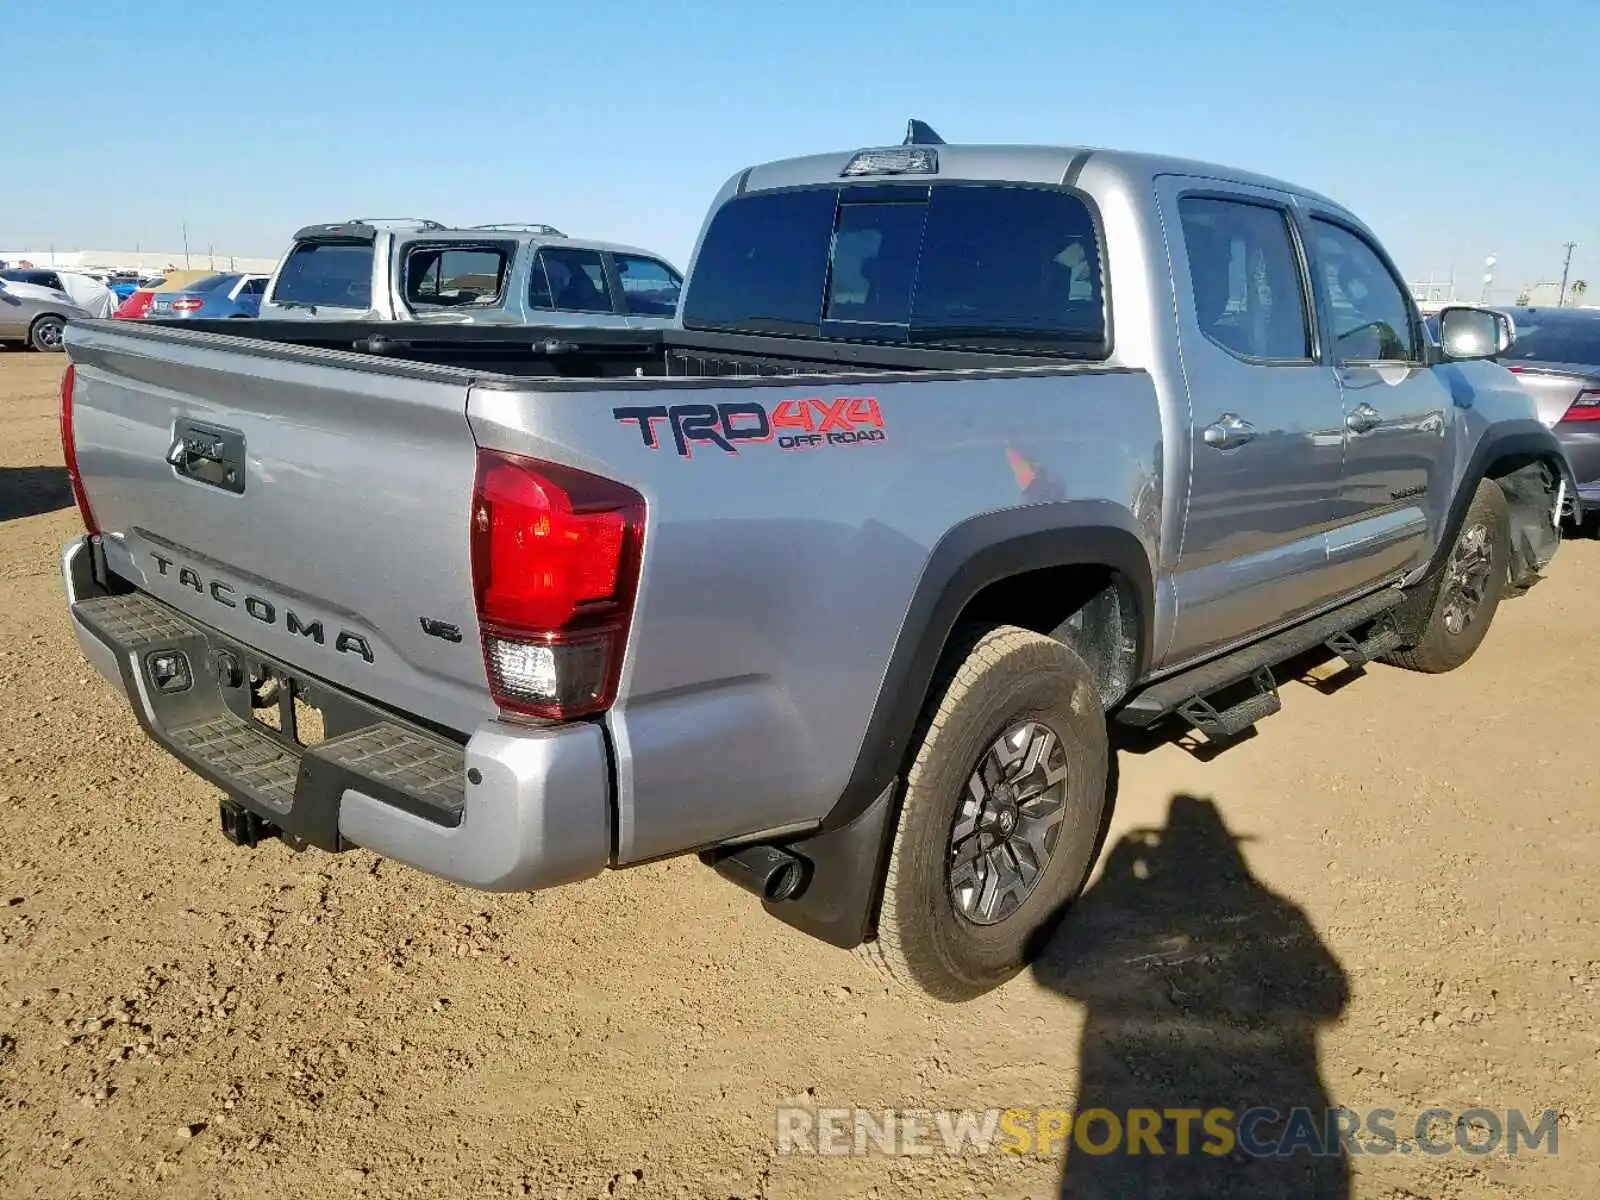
(35, 315)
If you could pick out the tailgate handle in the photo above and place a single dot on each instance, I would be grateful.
(208, 454)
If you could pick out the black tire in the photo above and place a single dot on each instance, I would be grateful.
(994, 682)
(45, 333)
(1458, 615)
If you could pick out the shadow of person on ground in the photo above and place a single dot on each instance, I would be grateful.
(29, 491)
(1204, 991)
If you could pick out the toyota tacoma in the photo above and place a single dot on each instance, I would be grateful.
(963, 454)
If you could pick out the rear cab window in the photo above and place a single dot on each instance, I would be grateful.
(332, 274)
(455, 276)
(955, 264)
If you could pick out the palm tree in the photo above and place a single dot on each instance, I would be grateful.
(1579, 287)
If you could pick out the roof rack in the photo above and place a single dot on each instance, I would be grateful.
(521, 227)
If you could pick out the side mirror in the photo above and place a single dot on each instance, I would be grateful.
(1469, 333)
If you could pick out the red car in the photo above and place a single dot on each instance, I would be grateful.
(138, 303)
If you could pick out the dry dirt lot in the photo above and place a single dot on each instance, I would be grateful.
(1387, 899)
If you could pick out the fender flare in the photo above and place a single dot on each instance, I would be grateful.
(847, 857)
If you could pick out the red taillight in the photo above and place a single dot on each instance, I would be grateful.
(555, 563)
(1585, 408)
(187, 305)
(69, 449)
(135, 306)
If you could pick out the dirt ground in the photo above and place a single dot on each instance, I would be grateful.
(1386, 899)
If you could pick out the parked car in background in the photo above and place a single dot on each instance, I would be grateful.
(511, 274)
(34, 314)
(85, 291)
(136, 304)
(139, 304)
(230, 294)
(1556, 357)
(44, 277)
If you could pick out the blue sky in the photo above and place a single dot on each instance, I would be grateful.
(1455, 130)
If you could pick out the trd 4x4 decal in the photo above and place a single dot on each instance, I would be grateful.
(793, 424)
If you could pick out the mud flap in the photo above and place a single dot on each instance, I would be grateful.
(1531, 498)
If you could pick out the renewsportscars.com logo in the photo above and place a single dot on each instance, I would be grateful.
(1214, 1132)
(794, 424)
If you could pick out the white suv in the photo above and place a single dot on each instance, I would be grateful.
(416, 270)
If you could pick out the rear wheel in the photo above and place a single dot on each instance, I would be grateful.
(1462, 598)
(1000, 819)
(45, 333)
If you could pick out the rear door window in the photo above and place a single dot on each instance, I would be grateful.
(981, 265)
(649, 287)
(570, 280)
(455, 276)
(331, 274)
(1244, 275)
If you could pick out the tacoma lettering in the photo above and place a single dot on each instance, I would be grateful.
(345, 641)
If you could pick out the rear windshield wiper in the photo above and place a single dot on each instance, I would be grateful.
(311, 308)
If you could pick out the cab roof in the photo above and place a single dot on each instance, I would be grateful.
(1014, 164)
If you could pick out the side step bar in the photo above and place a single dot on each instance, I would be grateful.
(1186, 692)
(1383, 638)
(1237, 717)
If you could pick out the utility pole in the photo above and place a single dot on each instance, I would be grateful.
(1566, 267)
(185, 228)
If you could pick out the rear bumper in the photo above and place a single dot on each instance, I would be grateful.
(1580, 442)
(513, 809)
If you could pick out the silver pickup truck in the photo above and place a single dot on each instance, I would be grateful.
(963, 454)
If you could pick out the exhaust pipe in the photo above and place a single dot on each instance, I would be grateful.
(766, 871)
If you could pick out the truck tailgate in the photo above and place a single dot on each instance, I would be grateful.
(316, 512)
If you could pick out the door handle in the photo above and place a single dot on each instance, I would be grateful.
(1228, 431)
(1363, 418)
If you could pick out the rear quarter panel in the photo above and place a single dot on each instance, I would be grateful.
(776, 581)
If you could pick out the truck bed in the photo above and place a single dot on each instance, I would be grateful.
(567, 352)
